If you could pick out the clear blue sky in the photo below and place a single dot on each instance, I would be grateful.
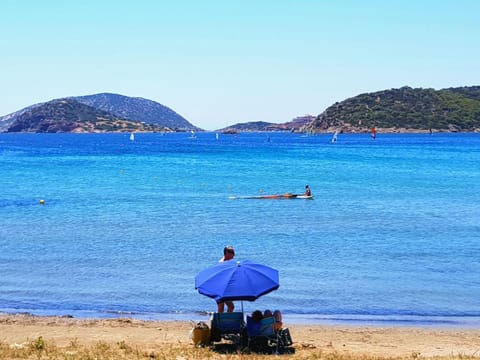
(222, 62)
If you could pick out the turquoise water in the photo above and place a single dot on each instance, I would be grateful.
(391, 236)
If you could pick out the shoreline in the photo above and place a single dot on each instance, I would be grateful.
(393, 320)
(19, 331)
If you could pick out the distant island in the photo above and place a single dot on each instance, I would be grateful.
(396, 110)
(138, 109)
(393, 111)
(256, 126)
(404, 110)
(96, 113)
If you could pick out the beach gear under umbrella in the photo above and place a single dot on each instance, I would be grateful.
(237, 280)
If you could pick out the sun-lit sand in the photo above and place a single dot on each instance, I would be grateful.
(310, 341)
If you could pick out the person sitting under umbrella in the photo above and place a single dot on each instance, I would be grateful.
(277, 314)
(228, 254)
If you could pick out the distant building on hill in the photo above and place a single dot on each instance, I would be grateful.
(304, 119)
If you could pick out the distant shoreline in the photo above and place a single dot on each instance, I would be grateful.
(323, 132)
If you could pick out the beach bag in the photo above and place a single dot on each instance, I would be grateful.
(200, 334)
(285, 338)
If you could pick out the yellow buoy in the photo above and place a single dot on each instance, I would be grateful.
(42, 202)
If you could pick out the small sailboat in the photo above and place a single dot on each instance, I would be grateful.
(132, 137)
(192, 135)
(374, 133)
(334, 138)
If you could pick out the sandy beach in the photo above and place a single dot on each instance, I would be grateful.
(26, 336)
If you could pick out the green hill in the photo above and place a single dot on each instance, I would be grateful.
(58, 114)
(138, 109)
(404, 109)
(68, 115)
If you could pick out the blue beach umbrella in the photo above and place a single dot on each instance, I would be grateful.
(237, 280)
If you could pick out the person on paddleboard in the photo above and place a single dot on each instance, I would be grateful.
(308, 192)
(228, 254)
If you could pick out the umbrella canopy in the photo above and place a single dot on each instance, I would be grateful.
(237, 280)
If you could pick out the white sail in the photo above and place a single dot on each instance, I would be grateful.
(334, 138)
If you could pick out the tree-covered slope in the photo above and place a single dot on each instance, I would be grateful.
(69, 115)
(453, 109)
(138, 109)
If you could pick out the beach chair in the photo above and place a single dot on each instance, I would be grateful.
(263, 338)
(228, 326)
(261, 335)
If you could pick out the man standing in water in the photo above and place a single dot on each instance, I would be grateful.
(228, 254)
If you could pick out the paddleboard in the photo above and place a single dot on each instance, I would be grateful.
(275, 196)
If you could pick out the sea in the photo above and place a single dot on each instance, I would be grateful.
(99, 226)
